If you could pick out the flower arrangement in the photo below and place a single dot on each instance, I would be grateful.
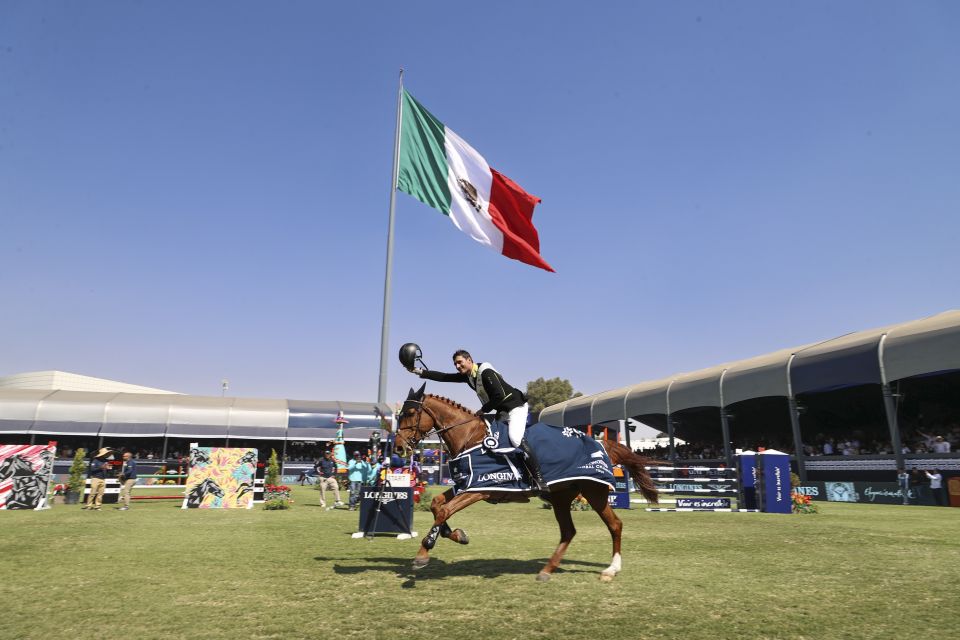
(276, 491)
(276, 496)
(580, 504)
(802, 503)
(59, 489)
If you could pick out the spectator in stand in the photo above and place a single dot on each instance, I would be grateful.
(936, 486)
(327, 479)
(97, 473)
(828, 447)
(128, 478)
(357, 471)
(940, 445)
(929, 440)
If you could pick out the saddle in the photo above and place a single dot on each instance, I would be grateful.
(564, 454)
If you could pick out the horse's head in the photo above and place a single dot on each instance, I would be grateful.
(413, 423)
(16, 465)
(210, 486)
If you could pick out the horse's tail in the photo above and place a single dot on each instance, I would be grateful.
(637, 465)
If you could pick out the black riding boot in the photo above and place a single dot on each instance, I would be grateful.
(533, 466)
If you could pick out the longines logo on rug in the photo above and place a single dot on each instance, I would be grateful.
(499, 476)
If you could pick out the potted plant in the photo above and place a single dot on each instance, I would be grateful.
(273, 469)
(75, 481)
(276, 496)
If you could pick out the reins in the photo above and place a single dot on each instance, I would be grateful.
(436, 421)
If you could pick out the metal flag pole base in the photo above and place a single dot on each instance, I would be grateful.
(372, 530)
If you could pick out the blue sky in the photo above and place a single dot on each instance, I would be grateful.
(198, 191)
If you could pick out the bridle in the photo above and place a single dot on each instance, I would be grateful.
(421, 435)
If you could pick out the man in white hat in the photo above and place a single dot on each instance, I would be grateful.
(97, 473)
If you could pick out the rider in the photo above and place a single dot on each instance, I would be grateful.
(495, 394)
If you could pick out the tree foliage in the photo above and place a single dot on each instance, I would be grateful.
(75, 481)
(272, 476)
(543, 393)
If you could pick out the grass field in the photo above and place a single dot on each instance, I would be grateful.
(852, 571)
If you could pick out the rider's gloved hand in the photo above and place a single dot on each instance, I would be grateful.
(417, 371)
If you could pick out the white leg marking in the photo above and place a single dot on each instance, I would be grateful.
(614, 567)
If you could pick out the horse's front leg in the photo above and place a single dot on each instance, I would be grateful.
(443, 508)
(459, 535)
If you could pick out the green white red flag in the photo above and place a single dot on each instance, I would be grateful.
(438, 168)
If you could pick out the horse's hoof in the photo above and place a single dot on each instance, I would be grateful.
(462, 536)
(606, 577)
(543, 576)
(420, 563)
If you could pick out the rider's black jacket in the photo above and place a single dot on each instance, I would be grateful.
(502, 397)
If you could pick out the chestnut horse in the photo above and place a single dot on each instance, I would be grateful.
(460, 429)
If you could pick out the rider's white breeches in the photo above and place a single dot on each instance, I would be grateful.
(517, 419)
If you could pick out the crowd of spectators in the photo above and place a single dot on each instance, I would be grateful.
(858, 442)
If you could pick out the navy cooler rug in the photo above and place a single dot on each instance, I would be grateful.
(564, 454)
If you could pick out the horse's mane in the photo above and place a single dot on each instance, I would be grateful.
(449, 402)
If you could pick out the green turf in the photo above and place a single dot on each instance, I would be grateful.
(852, 571)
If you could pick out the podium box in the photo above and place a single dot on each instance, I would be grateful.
(773, 481)
(396, 510)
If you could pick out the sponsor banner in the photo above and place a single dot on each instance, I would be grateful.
(773, 482)
(620, 499)
(703, 503)
(698, 487)
(866, 492)
(396, 510)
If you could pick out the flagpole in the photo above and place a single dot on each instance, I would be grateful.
(385, 330)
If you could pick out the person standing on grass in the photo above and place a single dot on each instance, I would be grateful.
(357, 471)
(97, 474)
(936, 486)
(903, 481)
(327, 478)
(374, 472)
(128, 478)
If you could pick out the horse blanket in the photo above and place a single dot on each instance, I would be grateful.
(564, 454)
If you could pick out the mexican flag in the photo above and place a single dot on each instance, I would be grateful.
(438, 168)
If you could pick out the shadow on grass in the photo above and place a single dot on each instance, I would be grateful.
(440, 569)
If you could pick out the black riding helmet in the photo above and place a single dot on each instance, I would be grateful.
(409, 354)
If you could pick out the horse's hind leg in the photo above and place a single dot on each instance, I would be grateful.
(560, 499)
(599, 500)
(443, 507)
